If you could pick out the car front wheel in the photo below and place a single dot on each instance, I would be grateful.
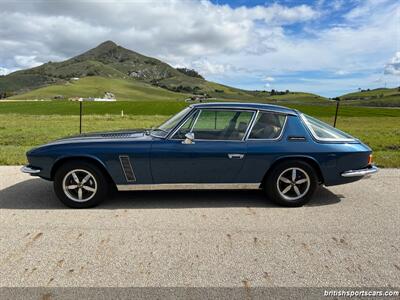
(291, 183)
(80, 184)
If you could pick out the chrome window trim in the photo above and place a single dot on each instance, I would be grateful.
(274, 139)
(253, 111)
(180, 124)
(188, 186)
(196, 111)
(291, 113)
(317, 138)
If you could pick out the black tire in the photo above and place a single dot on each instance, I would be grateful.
(97, 182)
(305, 190)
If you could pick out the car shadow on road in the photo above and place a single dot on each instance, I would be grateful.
(38, 194)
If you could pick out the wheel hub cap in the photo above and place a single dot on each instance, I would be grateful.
(79, 185)
(293, 183)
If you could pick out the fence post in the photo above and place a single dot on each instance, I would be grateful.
(80, 117)
(336, 113)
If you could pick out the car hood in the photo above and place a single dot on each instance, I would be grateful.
(105, 135)
(131, 135)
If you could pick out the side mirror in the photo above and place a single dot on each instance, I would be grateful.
(189, 138)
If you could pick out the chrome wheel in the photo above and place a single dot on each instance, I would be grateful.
(79, 185)
(293, 183)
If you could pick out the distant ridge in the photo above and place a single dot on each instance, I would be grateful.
(130, 76)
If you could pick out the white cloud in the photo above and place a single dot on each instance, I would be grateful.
(4, 71)
(336, 4)
(220, 41)
(206, 67)
(268, 79)
(27, 61)
(181, 28)
(393, 67)
(365, 9)
(341, 72)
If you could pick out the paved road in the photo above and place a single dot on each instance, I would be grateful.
(347, 236)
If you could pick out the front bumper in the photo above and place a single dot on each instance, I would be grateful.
(360, 172)
(30, 170)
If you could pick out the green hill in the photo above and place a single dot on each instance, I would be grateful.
(130, 76)
(388, 97)
(96, 86)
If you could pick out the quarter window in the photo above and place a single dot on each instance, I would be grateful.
(218, 125)
(325, 132)
(267, 126)
(186, 127)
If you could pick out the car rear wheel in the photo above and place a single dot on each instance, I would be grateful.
(80, 184)
(291, 183)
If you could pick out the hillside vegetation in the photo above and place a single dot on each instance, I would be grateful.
(96, 86)
(389, 97)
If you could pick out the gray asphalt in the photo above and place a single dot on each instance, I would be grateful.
(347, 236)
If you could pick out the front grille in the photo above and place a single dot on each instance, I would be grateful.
(127, 168)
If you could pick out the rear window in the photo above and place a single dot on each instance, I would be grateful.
(325, 132)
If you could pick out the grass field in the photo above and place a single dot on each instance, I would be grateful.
(167, 108)
(92, 108)
(95, 86)
(25, 125)
(137, 90)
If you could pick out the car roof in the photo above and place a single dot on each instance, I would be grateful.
(242, 105)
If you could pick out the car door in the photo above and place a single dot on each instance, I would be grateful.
(264, 145)
(216, 154)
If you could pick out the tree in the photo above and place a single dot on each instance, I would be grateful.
(190, 72)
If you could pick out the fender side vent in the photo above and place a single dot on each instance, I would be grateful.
(127, 168)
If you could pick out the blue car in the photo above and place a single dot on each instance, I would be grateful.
(206, 146)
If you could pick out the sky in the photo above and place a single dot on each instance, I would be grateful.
(324, 47)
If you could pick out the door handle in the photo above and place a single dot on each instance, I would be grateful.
(235, 156)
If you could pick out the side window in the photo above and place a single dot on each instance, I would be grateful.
(267, 126)
(219, 125)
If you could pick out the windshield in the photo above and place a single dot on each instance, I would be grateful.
(167, 126)
(324, 132)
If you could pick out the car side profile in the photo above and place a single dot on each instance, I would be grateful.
(206, 146)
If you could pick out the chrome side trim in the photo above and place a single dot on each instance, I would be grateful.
(360, 172)
(188, 186)
(29, 170)
(235, 155)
